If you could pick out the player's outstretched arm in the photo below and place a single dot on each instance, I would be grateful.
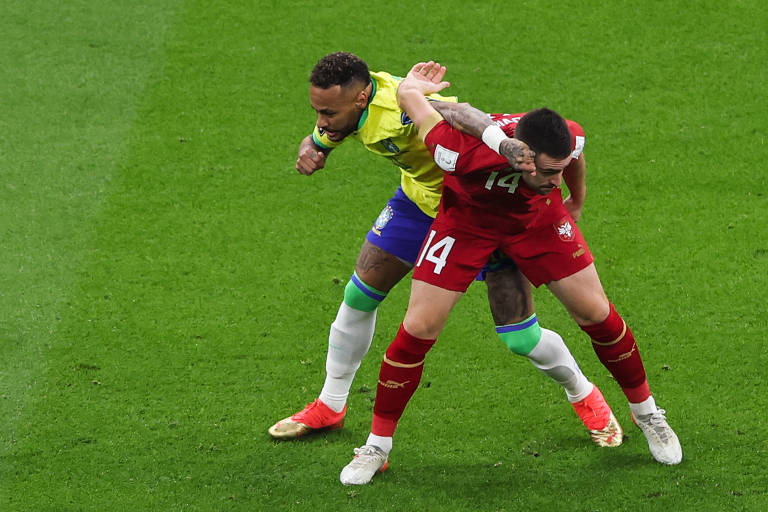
(311, 157)
(464, 117)
(477, 123)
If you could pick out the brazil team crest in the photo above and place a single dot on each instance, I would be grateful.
(381, 221)
(390, 146)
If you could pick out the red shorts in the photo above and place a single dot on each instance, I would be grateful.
(452, 255)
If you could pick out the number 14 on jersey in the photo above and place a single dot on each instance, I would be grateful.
(508, 181)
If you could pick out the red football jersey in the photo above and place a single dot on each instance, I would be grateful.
(481, 188)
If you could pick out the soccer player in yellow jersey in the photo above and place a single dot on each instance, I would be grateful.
(353, 103)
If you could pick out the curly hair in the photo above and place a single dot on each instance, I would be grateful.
(545, 131)
(340, 68)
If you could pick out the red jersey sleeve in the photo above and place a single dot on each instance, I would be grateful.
(577, 138)
(459, 153)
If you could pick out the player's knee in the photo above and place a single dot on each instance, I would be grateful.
(596, 314)
(361, 296)
(422, 326)
(521, 338)
(406, 348)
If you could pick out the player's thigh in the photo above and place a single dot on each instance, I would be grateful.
(428, 309)
(582, 295)
(393, 243)
(452, 255)
(379, 268)
(509, 295)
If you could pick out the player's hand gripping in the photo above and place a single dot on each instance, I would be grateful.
(310, 159)
(426, 77)
(519, 155)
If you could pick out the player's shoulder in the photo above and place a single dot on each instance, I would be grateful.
(507, 122)
(575, 128)
(578, 138)
(384, 79)
(504, 119)
(384, 94)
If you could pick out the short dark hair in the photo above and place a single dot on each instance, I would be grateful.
(545, 131)
(340, 68)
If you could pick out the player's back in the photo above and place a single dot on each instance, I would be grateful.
(480, 188)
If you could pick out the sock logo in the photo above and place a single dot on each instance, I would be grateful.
(391, 384)
(625, 355)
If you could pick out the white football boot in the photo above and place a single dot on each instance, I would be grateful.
(368, 461)
(662, 440)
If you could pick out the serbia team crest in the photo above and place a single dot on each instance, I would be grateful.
(564, 229)
(386, 214)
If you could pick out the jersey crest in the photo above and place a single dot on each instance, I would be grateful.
(390, 146)
(564, 230)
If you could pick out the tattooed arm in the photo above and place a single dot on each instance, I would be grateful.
(472, 121)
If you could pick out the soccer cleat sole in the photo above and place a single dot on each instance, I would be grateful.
(289, 429)
(609, 437)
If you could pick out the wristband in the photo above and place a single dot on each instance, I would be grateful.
(492, 136)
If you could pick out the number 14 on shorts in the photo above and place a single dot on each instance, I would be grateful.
(437, 253)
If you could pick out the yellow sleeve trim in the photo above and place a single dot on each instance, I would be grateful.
(429, 123)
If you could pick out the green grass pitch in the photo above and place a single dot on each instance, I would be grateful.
(167, 278)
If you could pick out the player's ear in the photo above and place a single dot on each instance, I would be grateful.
(362, 97)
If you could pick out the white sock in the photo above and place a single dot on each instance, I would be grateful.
(647, 406)
(385, 443)
(348, 342)
(553, 358)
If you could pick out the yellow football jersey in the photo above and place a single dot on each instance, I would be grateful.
(386, 130)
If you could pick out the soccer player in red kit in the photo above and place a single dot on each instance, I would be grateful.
(488, 206)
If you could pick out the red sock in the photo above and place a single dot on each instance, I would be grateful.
(398, 379)
(615, 346)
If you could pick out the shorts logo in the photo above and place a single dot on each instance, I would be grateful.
(381, 221)
(564, 230)
(445, 158)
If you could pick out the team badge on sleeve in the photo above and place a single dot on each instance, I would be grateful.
(564, 230)
(445, 158)
(579, 146)
(381, 221)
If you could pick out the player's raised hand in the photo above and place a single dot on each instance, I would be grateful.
(519, 155)
(426, 77)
